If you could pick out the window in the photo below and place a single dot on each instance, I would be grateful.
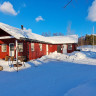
(4, 48)
(11, 46)
(32, 46)
(20, 45)
(69, 46)
(40, 46)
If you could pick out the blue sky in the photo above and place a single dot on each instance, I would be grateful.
(50, 15)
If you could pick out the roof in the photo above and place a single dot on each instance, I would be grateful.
(19, 33)
(64, 39)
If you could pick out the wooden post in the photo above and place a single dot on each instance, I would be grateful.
(17, 54)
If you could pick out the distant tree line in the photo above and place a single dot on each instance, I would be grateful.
(87, 40)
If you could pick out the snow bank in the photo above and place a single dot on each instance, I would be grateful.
(77, 57)
(88, 48)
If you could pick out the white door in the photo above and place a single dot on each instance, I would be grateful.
(47, 49)
(11, 49)
(64, 49)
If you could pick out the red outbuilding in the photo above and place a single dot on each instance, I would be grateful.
(21, 42)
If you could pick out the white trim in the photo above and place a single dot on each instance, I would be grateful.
(9, 48)
(16, 50)
(6, 37)
(40, 46)
(64, 48)
(19, 46)
(47, 49)
(32, 45)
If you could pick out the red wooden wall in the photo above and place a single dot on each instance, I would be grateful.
(36, 53)
(52, 48)
(7, 41)
(27, 49)
(73, 48)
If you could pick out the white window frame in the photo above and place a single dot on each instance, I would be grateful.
(21, 47)
(2, 48)
(40, 46)
(32, 46)
(69, 46)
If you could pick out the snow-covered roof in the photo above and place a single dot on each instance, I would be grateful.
(64, 39)
(19, 33)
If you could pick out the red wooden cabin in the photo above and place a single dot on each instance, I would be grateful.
(32, 45)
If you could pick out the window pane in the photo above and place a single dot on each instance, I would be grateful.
(40, 45)
(11, 47)
(70, 47)
(20, 45)
(32, 46)
(4, 47)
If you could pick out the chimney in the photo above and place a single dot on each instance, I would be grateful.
(22, 27)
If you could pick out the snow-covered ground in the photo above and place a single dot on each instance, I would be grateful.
(71, 74)
(8, 65)
(88, 48)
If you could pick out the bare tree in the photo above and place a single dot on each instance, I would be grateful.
(69, 31)
(60, 34)
(43, 33)
(55, 34)
(46, 34)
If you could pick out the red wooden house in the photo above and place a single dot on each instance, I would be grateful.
(32, 45)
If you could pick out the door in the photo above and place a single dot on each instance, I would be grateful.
(11, 49)
(64, 49)
(58, 48)
(47, 49)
